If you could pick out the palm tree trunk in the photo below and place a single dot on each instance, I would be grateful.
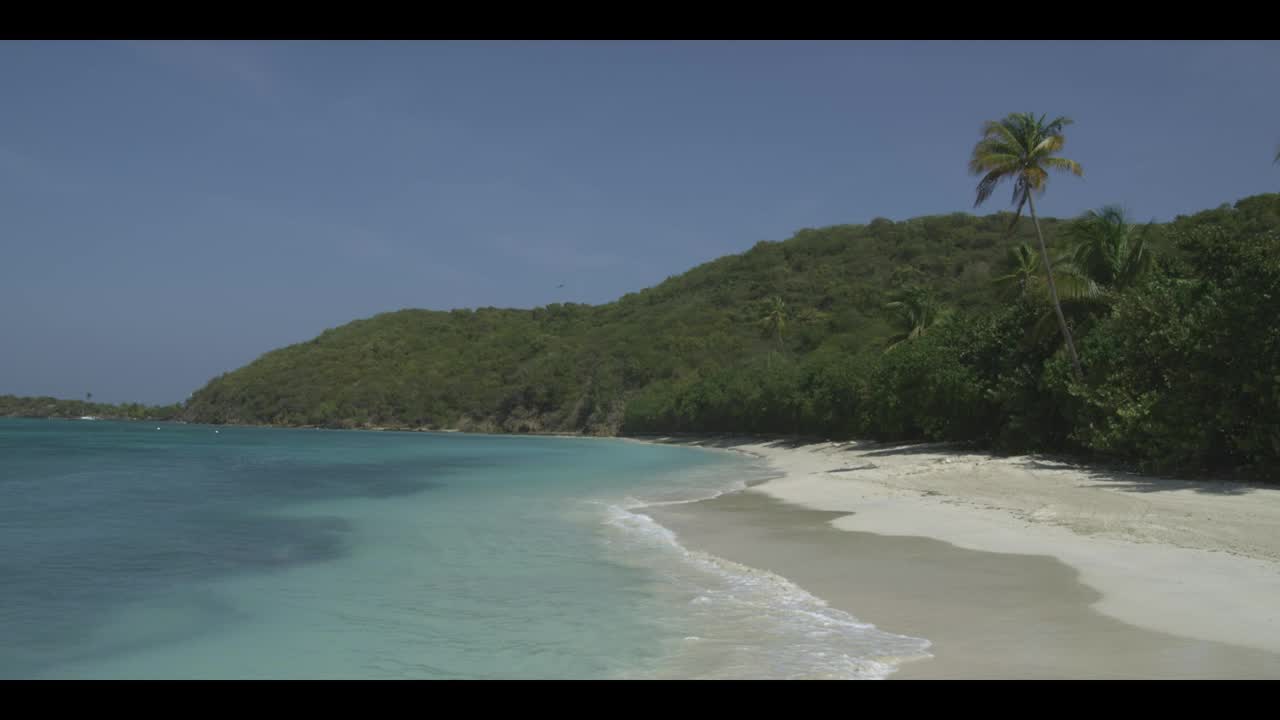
(1053, 293)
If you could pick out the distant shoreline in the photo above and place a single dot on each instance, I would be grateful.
(737, 442)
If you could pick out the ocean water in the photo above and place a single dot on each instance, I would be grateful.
(136, 550)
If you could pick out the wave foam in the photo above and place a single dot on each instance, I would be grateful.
(754, 623)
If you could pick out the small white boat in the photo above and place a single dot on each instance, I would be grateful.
(88, 417)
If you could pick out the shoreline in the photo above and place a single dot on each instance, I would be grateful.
(1180, 568)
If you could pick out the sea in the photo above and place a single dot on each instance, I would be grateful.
(135, 550)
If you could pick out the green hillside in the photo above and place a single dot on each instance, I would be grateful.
(1181, 351)
(573, 367)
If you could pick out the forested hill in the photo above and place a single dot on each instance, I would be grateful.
(571, 367)
(1177, 325)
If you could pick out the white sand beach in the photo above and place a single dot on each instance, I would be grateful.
(1013, 566)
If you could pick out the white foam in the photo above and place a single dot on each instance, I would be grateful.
(763, 625)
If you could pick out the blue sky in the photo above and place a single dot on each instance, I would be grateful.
(170, 211)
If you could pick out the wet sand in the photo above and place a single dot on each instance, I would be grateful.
(1003, 594)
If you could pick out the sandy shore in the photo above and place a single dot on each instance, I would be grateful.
(1013, 567)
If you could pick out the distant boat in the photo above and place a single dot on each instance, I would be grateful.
(88, 417)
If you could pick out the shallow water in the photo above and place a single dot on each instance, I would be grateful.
(134, 550)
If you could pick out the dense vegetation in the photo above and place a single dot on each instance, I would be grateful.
(575, 367)
(47, 407)
(1181, 361)
(933, 328)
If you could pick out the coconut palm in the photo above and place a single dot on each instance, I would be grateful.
(1022, 148)
(1024, 279)
(1023, 265)
(1108, 251)
(914, 312)
(1109, 254)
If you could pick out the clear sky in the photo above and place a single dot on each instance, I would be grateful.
(170, 211)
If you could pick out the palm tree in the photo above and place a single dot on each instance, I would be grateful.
(914, 312)
(1109, 255)
(774, 322)
(1021, 147)
(1024, 266)
(1108, 251)
(1024, 279)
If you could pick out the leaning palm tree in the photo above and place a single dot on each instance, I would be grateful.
(1080, 295)
(914, 312)
(1023, 278)
(1021, 148)
(1109, 254)
(774, 322)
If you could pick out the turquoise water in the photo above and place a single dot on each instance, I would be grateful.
(133, 550)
